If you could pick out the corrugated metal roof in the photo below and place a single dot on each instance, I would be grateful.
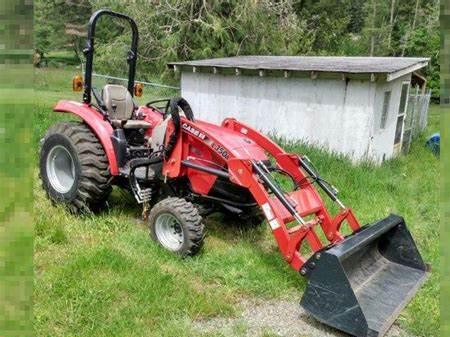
(340, 64)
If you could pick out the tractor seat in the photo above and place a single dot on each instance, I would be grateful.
(120, 106)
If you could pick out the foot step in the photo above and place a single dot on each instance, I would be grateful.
(144, 195)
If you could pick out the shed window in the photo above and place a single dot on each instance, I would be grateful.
(403, 98)
(385, 111)
(401, 113)
(398, 129)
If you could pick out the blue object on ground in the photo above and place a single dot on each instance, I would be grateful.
(434, 143)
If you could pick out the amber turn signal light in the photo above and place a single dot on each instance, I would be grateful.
(77, 83)
(138, 89)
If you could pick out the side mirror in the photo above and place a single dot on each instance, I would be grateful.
(77, 83)
(138, 89)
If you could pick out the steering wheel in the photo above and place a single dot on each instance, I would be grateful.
(174, 104)
(162, 110)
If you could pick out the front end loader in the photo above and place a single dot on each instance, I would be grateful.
(182, 169)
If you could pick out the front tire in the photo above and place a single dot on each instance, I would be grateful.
(177, 226)
(74, 168)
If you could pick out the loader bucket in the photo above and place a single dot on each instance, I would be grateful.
(361, 284)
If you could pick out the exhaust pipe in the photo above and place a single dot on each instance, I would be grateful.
(361, 284)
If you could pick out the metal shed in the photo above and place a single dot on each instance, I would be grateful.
(350, 105)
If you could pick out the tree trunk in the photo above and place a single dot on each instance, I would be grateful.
(76, 49)
(391, 24)
(372, 38)
(413, 26)
(415, 15)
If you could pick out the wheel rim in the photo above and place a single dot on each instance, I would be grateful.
(168, 231)
(60, 169)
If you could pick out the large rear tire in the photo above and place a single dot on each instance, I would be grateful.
(177, 226)
(74, 168)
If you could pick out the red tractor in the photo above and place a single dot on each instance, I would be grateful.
(182, 169)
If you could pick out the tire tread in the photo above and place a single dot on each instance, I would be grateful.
(190, 220)
(95, 179)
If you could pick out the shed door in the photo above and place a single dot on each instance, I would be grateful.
(401, 118)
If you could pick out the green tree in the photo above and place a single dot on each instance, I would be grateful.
(56, 21)
(193, 29)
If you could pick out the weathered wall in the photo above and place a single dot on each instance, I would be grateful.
(333, 113)
(382, 140)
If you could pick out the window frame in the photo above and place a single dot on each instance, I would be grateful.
(402, 114)
(405, 107)
(385, 109)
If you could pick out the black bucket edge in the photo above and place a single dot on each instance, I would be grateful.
(339, 252)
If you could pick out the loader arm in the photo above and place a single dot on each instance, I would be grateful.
(306, 201)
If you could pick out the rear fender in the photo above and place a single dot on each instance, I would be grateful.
(101, 128)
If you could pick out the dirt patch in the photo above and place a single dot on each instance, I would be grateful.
(269, 318)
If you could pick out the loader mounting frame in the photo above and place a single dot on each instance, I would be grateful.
(305, 201)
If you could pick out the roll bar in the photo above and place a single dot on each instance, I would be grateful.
(89, 51)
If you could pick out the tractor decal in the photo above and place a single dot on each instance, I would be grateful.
(193, 131)
(220, 150)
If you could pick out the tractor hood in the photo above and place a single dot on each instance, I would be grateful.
(220, 138)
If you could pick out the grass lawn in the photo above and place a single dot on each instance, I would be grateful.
(16, 235)
(102, 275)
(445, 216)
